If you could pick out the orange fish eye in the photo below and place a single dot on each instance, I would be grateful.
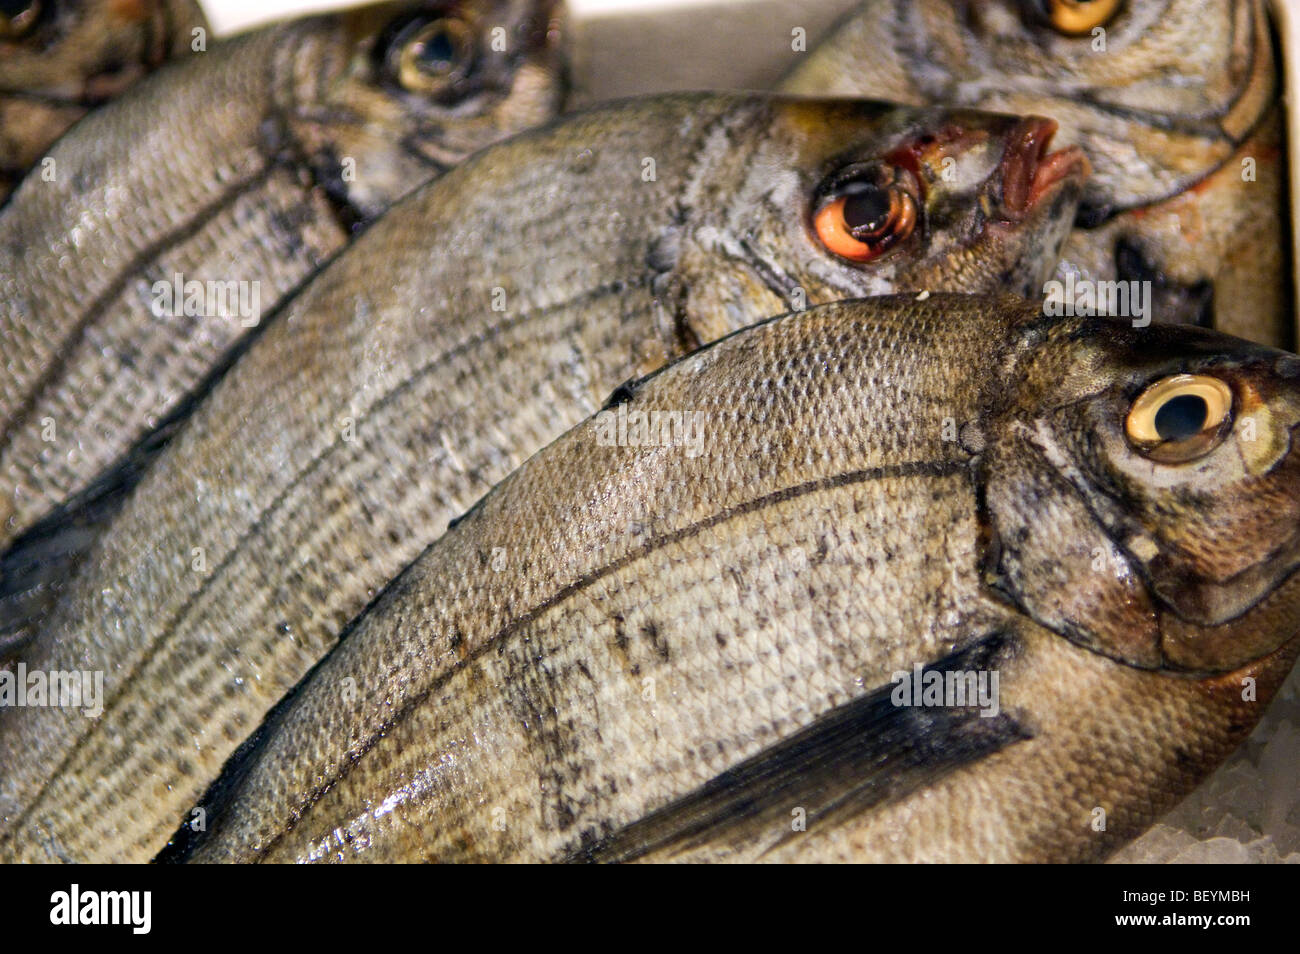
(1075, 17)
(861, 219)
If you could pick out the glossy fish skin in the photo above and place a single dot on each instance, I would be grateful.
(61, 58)
(371, 414)
(1185, 91)
(315, 135)
(572, 670)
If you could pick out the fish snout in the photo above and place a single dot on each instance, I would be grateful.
(1029, 173)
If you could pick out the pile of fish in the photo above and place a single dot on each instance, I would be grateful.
(396, 466)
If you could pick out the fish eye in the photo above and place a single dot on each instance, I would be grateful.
(430, 55)
(1076, 17)
(17, 17)
(1180, 418)
(866, 211)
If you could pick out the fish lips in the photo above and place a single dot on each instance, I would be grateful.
(1031, 175)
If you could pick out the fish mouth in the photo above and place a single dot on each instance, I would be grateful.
(1030, 172)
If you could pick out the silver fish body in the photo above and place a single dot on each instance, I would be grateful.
(517, 291)
(642, 646)
(170, 227)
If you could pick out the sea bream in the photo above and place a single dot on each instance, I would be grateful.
(179, 216)
(471, 325)
(61, 58)
(1175, 102)
(900, 580)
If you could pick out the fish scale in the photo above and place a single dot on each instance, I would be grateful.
(312, 474)
(707, 480)
(772, 685)
(144, 192)
(675, 689)
(165, 359)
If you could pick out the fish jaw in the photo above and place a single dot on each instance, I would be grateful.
(1030, 174)
(98, 51)
(1027, 206)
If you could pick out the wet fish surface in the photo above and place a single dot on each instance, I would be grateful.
(643, 646)
(173, 227)
(61, 58)
(1176, 103)
(516, 292)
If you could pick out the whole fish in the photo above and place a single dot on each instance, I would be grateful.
(727, 618)
(182, 214)
(61, 58)
(1175, 102)
(513, 294)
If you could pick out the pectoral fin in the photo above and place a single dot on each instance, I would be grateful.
(854, 757)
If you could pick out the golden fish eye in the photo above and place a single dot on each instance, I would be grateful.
(18, 17)
(863, 217)
(1074, 17)
(431, 56)
(1180, 418)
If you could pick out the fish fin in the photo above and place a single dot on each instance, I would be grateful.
(856, 756)
(621, 394)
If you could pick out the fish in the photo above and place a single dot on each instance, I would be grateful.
(515, 293)
(179, 216)
(892, 580)
(59, 60)
(1175, 102)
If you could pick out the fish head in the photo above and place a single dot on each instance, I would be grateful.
(1143, 492)
(1158, 93)
(83, 52)
(59, 59)
(820, 200)
(411, 89)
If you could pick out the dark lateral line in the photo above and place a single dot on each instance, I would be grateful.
(110, 705)
(849, 760)
(912, 469)
(143, 258)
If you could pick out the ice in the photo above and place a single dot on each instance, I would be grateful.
(1157, 846)
(1216, 851)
